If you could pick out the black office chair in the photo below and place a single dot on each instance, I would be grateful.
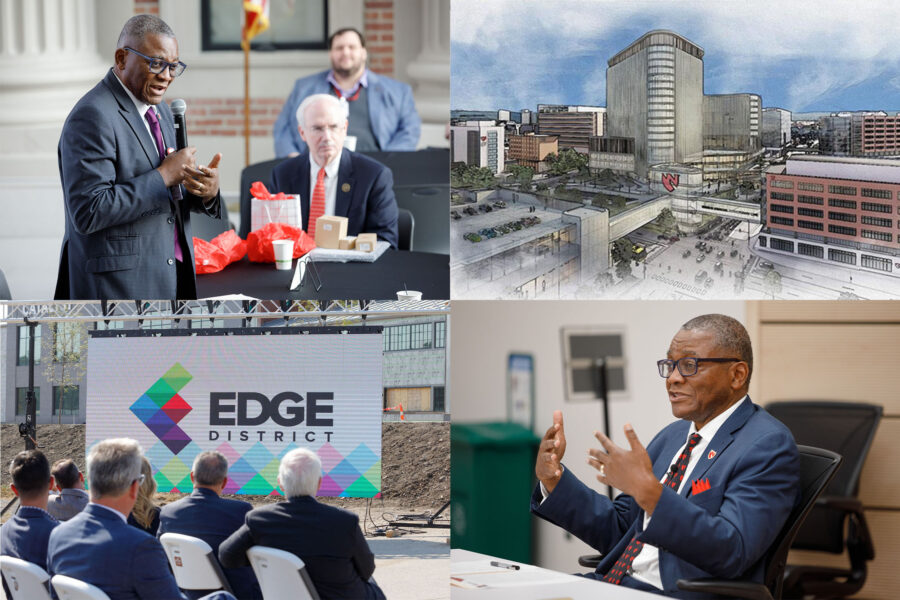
(406, 225)
(5, 294)
(837, 521)
(817, 467)
(261, 171)
(206, 227)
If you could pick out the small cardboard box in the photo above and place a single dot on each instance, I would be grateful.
(366, 242)
(330, 230)
(348, 243)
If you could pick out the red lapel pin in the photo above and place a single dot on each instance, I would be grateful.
(711, 455)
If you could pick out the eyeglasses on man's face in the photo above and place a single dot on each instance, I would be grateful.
(157, 65)
(686, 365)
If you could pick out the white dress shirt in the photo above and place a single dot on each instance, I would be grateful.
(645, 566)
(331, 173)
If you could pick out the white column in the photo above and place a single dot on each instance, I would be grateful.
(430, 73)
(48, 60)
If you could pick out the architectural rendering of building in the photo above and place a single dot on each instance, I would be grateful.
(776, 127)
(833, 209)
(531, 150)
(479, 143)
(654, 95)
(574, 126)
(860, 133)
(731, 122)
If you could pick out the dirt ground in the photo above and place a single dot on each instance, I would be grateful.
(415, 459)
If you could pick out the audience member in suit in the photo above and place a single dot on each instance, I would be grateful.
(348, 184)
(128, 209)
(145, 514)
(328, 539)
(207, 516)
(98, 546)
(25, 534)
(382, 111)
(72, 498)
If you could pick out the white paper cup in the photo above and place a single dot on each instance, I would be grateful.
(409, 295)
(284, 254)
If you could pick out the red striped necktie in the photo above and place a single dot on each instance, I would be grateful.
(672, 480)
(317, 205)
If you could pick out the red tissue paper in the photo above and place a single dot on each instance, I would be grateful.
(218, 253)
(259, 242)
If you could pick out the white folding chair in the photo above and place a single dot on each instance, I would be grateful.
(277, 571)
(68, 588)
(26, 581)
(193, 563)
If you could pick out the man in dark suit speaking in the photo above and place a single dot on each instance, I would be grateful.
(128, 193)
(207, 516)
(326, 538)
(332, 180)
(709, 494)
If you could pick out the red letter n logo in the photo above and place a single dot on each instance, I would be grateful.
(670, 181)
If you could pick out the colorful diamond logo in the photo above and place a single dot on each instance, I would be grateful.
(161, 408)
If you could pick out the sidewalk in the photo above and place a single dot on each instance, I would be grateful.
(413, 567)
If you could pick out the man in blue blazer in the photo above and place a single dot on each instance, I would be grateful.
(128, 194)
(99, 547)
(326, 538)
(352, 185)
(211, 518)
(25, 534)
(382, 111)
(709, 494)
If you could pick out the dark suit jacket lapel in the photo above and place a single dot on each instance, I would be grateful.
(719, 443)
(303, 187)
(129, 112)
(346, 181)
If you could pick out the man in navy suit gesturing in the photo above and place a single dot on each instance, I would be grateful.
(128, 194)
(708, 495)
(332, 180)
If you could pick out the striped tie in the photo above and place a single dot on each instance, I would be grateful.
(317, 206)
(673, 478)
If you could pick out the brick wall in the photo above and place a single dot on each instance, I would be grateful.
(146, 6)
(379, 30)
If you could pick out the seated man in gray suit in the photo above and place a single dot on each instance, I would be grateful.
(128, 193)
(71, 498)
(99, 547)
(25, 534)
(326, 538)
(207, 516)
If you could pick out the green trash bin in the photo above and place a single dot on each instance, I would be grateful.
(491, 480)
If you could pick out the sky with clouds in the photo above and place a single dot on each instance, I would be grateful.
(802, 55)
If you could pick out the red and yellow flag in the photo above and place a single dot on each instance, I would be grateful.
(256, 20)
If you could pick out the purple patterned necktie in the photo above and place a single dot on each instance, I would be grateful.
(673, 478)
(150, 115)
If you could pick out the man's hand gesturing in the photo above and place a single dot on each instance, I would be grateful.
(547, 467)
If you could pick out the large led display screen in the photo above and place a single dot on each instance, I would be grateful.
(252, 397)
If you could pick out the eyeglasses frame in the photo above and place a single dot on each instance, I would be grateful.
(676, 364)
(167, 64)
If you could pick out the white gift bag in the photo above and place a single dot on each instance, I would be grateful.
(287, 211)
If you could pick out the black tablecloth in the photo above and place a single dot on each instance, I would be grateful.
(394, 270)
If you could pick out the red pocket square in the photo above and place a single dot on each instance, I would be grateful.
(699, 486)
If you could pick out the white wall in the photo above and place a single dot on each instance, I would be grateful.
(485, 332)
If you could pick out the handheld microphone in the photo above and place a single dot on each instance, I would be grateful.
(179, 107)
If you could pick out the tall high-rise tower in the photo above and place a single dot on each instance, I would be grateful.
(654, 95)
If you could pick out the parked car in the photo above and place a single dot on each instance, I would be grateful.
(720, 254)
(685, 254)
(733, 253)
(701, 275)
(701, 258)
(708, 283)
(718, 266)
